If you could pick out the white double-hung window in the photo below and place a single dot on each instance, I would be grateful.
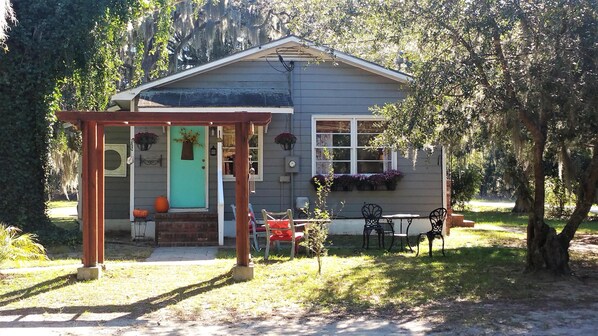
(256, 148)
(347, 142)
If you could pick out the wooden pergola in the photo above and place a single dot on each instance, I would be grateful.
(92, 126)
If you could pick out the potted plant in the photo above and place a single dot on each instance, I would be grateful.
(145, 140)
(391, 178)
(344, 182)
(188, 139)
(376, 181)
(286, 140)
(363, 182)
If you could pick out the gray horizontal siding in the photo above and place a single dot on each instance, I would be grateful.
(150, 180)
(317, 89)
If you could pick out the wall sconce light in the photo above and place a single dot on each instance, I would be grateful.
(212, 131)
(213, 150)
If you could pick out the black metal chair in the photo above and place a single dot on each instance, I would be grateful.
(372, 214)
(437, 219)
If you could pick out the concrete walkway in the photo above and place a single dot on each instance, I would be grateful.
(160, 256)
(183, 255)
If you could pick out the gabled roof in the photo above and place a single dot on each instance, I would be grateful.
(292, 47)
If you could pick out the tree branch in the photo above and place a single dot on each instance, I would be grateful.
(586, 197)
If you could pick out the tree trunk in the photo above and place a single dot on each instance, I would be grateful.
(522, 205)
(547, 250)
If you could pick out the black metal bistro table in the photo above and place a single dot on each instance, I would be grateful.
(390, 220)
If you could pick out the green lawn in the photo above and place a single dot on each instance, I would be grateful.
(480, 266)
(504, 217)
(61, 204)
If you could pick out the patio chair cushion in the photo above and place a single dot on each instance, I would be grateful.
(280, 224)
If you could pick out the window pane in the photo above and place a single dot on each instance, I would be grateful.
(341, 154)
(364, 139)
(368, 126)
(322, 167)
(253, 140)
(228, 150)
(370, 154)
(320, 155)
(370, 167)
(334, 154)
(324, 140)
(341, 140)
(333, 126)
(341, 167)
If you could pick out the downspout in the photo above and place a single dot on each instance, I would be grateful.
(291, 79)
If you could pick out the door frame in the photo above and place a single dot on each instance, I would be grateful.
(207, 172)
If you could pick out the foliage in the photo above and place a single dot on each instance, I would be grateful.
(7, 15)
(392, 175)
(188, 136)
(376, 180)
(520, 74)
(466, 177)
(558, 198)
(177, 35)
(318, 232)
(18, 247)
(344, 182)
(64, 159)
(44, 48)
(74, 55)
(145, 138)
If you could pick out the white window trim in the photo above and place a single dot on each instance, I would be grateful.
(353, 119)
(260, 165)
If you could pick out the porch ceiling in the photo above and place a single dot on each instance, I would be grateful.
(215, 97)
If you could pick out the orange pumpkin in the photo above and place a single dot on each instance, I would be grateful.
(140, 213)
(161, 204)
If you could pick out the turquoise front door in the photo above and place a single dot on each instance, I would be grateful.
(187, 177)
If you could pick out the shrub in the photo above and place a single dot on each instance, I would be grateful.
(18, 247)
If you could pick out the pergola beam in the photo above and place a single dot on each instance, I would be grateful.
(166, 118)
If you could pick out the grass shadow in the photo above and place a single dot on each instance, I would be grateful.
(131, 311)
(391, 283)
(37, 289)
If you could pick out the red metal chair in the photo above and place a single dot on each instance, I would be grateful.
(280, 228)
(255, 228)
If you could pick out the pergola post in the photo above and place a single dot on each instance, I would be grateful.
(100, 154)
(90, 269)
(244, 268)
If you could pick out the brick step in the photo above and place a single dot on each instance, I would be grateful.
(186, 237)
(468, 223)
(188, 226)
(186, 217)
(456, 220)
(187, 229)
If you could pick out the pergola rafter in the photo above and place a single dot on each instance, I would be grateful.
(92, 125)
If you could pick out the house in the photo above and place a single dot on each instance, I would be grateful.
(321, 96)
